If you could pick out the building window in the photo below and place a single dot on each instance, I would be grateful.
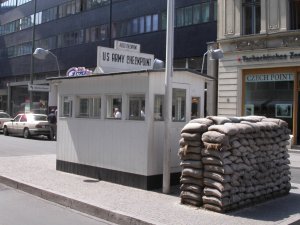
(89, 107)
(137, 107)
(70, 38)
(69, 8)
(270, 95)
(8, 4)
(251, 16)
(195, 108)
(47, 43)
(66, 107)
(98, 33)
(158, 107)
(295, 14)
(114, 106)
(178, 105)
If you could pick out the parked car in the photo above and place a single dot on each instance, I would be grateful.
(28, 125)
(4, 117)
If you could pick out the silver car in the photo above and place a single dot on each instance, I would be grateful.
(28, 125)
(4, 117)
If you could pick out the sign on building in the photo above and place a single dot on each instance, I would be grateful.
(121, 45)
(38, 88)
(116, 60)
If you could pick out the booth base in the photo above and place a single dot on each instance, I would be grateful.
(114, 176)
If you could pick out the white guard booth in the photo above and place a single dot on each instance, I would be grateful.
(127, 150)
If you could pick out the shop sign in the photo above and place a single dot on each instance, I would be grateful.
(269, 77)
(271, 57)
(121, 45)
(38, 88)
(115, 60)
(78, 71)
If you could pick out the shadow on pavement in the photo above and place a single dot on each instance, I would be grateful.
(273, 210)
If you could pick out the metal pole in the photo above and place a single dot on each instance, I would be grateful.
(56, 62)
(168, 95)
(32, 58)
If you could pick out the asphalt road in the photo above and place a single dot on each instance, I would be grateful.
(20, 208)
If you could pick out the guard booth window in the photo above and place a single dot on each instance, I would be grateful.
(114, 106)
(178, 105)
(195, 108)
(137, 107)
(158, 107)
(66, 107)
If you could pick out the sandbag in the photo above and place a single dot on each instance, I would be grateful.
(191, 187)
(215, 137)
(219, 169)
(194, 128)
(219, 119)
(227, 128)
(214, 184)
(191, 180)
(205, 121)
(191, 137)
(215, 192)
(217, 154)
(215, 201)
(217, 177)
(215, 161)
(196, 173)
(191, 195)
(191, 164)
(187, 201)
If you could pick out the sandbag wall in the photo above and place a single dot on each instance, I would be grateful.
(228, 163)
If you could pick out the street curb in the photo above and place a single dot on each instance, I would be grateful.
(74, 204)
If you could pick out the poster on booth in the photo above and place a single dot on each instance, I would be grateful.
(116, 60)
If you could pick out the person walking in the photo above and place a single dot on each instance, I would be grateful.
(52, 122)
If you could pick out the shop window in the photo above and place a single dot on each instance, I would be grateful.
(294, 14)
(178, 105)
(114, 107)
(158, 107)
(195, 108)
(89, 107)
(66, 107)
(137, 107)
(270, 95)
(251, 16)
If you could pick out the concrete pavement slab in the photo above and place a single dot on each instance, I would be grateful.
(126, 205)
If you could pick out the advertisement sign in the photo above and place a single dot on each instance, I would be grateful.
(78, 71)
(115, 60)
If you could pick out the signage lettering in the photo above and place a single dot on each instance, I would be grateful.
(269, 77)
(269, 57)
(115, 60)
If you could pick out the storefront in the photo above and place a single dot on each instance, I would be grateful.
(262, 82)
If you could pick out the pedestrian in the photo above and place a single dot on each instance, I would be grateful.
(52, 122)
(117, 113)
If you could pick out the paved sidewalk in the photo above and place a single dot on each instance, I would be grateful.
(295, 158)
(125, 205)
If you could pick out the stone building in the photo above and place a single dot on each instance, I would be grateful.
(259, 73)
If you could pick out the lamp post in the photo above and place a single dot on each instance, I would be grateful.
(215, 54)
(168, 95)
(41, 53)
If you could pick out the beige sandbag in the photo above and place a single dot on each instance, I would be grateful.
(196, 173)
(228, 129)
(191, 149)
(191, 137)
(214, 153)
(191, 164)
(221, 202)
(191, 180)
(190, 156)
(213, 208)
(187, 201)
(215, 192)
(219, 169)
(219, 119)
(217, 177)
(191, 187)
(207, 160)
(194, 128)
(215, 138)
(184, 143)
(191, 195)
(205, 121)
(214, 184)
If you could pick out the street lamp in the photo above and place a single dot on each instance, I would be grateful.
(41, 53)
(214, 54)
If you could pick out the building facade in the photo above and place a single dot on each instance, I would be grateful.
(72, 30)
(259, 74)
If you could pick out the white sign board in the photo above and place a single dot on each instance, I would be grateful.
(121, 45)
(275, 77)
(38, 88)
(114, 60)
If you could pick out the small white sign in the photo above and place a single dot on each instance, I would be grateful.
(121, 45)
(38, 88)
(113, 60)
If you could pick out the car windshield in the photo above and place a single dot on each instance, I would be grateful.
(4, 115)
(31, 117)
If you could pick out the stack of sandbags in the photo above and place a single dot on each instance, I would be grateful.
(192, 168)
(244, 162)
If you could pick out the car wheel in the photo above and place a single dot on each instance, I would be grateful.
(26, 133)
(5, 131)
